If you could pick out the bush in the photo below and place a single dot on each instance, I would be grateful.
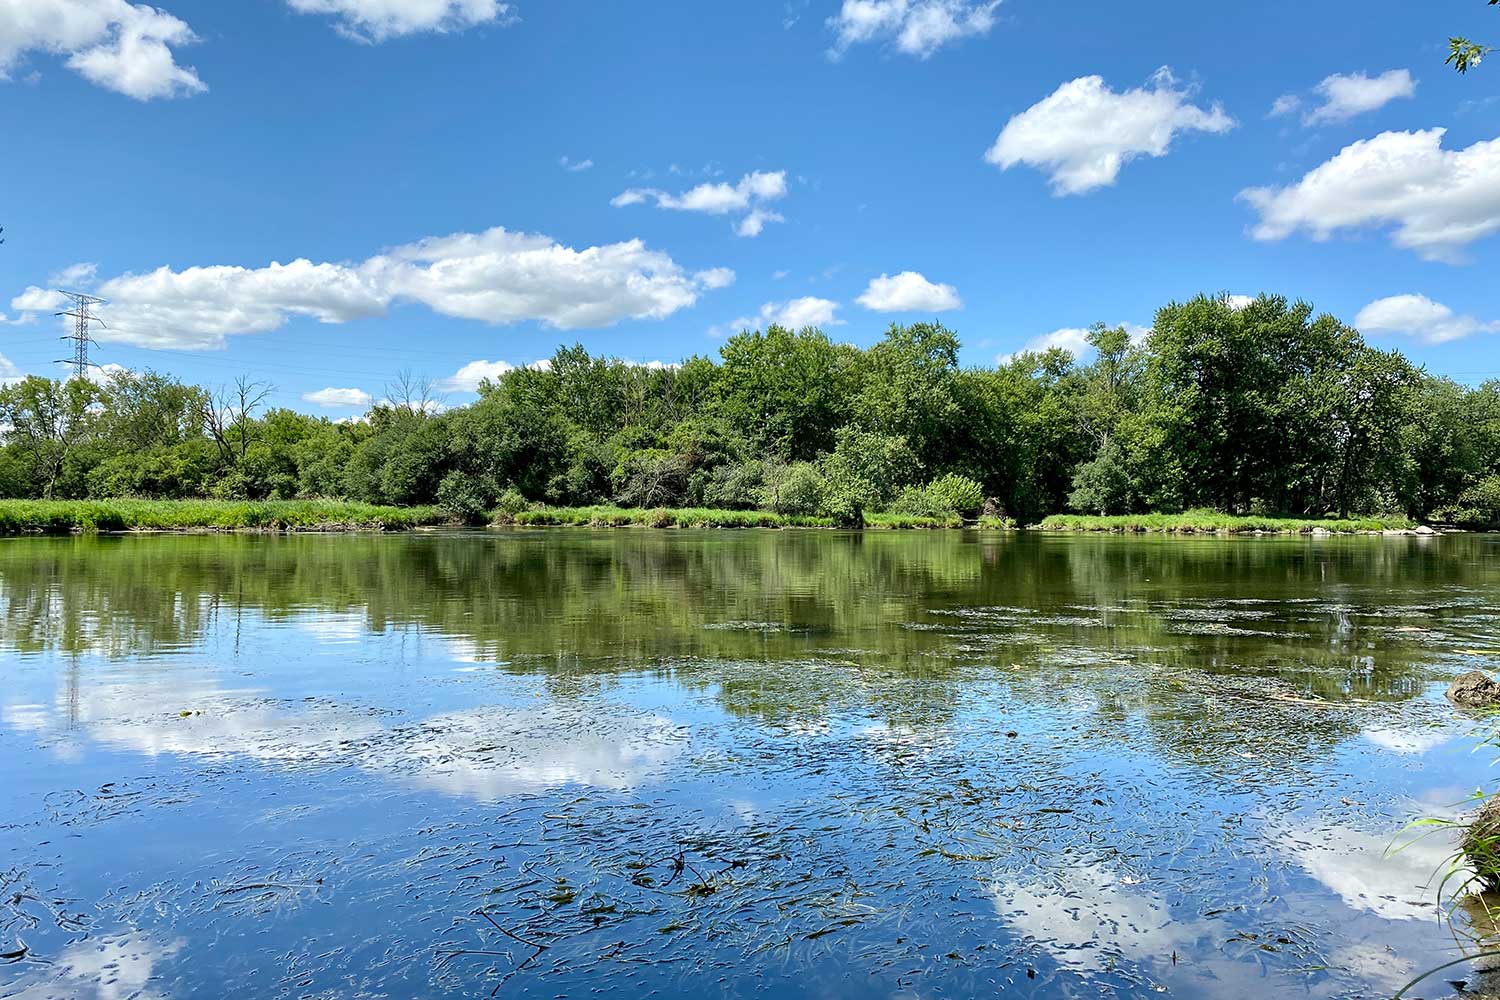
(1478, 506)
(735, 485)
(879, 461)
(651, 477)
(916, 501)
(1102, 485)
(958, 494)
(465, 497)
(793, 489)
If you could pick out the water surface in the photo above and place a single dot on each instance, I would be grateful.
(723, 764)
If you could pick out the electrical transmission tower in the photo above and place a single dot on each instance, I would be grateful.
(83, 321)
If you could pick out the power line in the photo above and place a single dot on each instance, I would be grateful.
(81, 336)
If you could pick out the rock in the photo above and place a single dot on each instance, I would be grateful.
(1474, 690)
(1481, 843)
(1423, 529)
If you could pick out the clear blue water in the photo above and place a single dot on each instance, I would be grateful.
(724, 764)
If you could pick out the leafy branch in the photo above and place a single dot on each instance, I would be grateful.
(1465, 53)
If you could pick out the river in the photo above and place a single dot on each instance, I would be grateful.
(725, 764)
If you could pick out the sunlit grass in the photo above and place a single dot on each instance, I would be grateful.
(64, 516)
(701, 517)
(1208, 521)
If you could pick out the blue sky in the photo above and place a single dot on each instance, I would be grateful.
(1031, 164)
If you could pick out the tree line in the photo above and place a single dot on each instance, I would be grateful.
(1260, 408)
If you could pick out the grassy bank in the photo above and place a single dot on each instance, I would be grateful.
(699, 517)
(1212, 522)
(64, 516)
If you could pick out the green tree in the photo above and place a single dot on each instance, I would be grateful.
(788, 391)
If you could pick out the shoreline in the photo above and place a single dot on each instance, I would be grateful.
(73, 517)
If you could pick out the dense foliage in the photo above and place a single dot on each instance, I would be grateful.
(1264, 409)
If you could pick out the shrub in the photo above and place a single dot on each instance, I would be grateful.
(510, 502)
(916, 501)
(882, 462)
(735, 485)
(793, 489)
(651, 477)
(1102, 485)
(958, 494)
(465, 497)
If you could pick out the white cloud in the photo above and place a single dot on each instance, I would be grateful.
(1073, 339)
(794, 315)
(1238, 302)
(1363, 870)
(915, 27)
(1418, 316)
(754, 224)
(748, 196)
(37, 300)
(575, 166)
(1284, 105)
(378, 20)
(332, 397)
(909, 291)
(1345, 96)
(467, 378)
(1084, 132)
(1088, 916)
(9, 372)
(79, 275)
(715, 277)
(117, 45)
(497, 277)
(1438, 200)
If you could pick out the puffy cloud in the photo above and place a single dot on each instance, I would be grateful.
(749, 195)
(467, 378)
(1080, 916)
(1073, 339)
(715, 277)
(8, 371)
(1238, 302)
(79, 275)
(794, 315)
(38, 300)
(496, 276)
(915, 27)
(1420, 317)
(1084, 132)
(378, 20)
(332, 397)
(575, 166)
(124, 47)
(1284, 105)
(1437, 200)
(909, 291)
(754, 224)
(1345, 96)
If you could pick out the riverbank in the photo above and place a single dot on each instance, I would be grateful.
(60, 517)
(1211, 522)
(19, 517)
(700, 517)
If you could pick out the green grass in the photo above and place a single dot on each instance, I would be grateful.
(698, 517)
(1207, 521)
(692, 517)
(63, 516)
